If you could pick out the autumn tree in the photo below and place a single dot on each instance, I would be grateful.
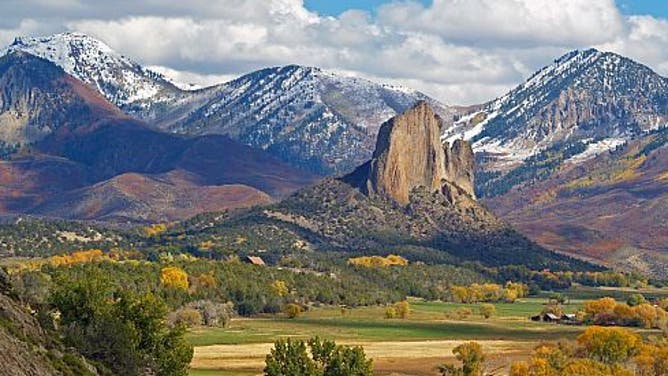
(174, 277)
(472, 360)
(609, 345)
(594, 308)
(403, 309)
(292, 310)
(280, 288)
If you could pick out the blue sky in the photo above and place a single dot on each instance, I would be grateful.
(657, 8)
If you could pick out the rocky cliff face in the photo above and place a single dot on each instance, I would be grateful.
(409, 154)
(460, 165)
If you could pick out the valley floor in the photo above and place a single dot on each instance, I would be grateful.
(412, 346)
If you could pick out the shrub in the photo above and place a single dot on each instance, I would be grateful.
(188, 317)
(292, 310)
(403, 309)
(487, 310)
(636, 299)
(214, 314)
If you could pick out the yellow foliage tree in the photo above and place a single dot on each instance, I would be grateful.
(403, 309)
(609, 345)
(78, 257)
(174, 277)
(280, 288)
(292, 310)
(155, 229)
(600, 306)
(378, 261)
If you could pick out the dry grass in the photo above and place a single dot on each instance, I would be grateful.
(398, 357)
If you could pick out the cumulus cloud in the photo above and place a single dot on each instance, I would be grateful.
(494, 23)
(460, 51)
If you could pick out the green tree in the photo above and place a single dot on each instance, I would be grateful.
(335, 360)
(124, 331)
(289, 358)
(635, 300)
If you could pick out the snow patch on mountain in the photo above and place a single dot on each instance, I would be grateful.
(319, 119)
(583, 95)
(595, 148)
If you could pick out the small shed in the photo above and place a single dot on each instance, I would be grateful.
(254, 260)
(551, 317)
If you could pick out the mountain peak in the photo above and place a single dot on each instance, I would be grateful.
(122, 81)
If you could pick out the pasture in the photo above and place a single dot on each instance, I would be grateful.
(411, 346)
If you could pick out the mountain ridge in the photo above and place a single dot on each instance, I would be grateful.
(319, 120)
(584, 96)
(89, 143)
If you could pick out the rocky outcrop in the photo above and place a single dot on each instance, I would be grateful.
(409, 154)
(460, 164)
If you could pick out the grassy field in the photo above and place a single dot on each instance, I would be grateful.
(411, 346)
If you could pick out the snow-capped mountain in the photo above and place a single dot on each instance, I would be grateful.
(133, 88)
(314, 119)
(310, 117)
(599, 99)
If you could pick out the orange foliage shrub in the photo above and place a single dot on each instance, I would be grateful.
(79, 257)
(378, 261)
(155, 229)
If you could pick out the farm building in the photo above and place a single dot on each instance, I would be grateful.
(254, 260)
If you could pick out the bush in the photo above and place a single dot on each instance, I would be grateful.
(214, 314)
(636, 299)
(487, 310)
(292, 310)
(403, 309)
(188, 317)
(462, 313)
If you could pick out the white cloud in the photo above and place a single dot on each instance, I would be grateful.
(461, 51)
(510, 22)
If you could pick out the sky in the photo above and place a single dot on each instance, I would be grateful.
(458, 51)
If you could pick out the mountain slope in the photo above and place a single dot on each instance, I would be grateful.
(26, 349)
(612, 208)
(365, 211)
(37, 99)
(316, 120)
(125, 83)
(84, 141)
(306, 116)
(589, 101)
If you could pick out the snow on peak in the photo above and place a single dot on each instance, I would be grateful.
(119, 79)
